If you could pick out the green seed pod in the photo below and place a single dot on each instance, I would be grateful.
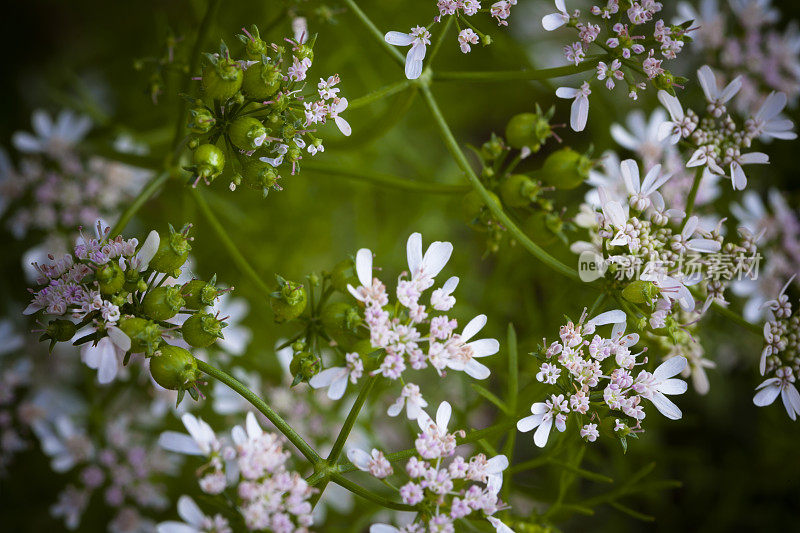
(538, 228)
(145, 335)
(247, 133)
(60, 330)
(304, 366)
(172, 251)
(132, 278)
(222, 78)
(199, 294)
(288, 301)
(341, 322)
(163, 303)
(565, 169)
(173, 367)
(493, 148)
(110, 278)
(202, 330)
(261, 81)
(208, 161)
(528, 130)
(518, 190)
(640, 292)
(476, 214)
(343, 274)
(259, 175)
(200, 120)
(254, 46)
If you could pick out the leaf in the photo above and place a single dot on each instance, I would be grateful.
(486, 393)
(628, 511)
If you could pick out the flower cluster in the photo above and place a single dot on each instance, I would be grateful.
(780, 358)
(254, 120)
(113, 293)
(408, 332)
(268, 496)
(461, 11)
(459, 489)
(600, 367)
(635, 43)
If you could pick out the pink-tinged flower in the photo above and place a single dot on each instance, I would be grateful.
(336, 378)
(716, 98)
(589, 432)
(105, 356)
(423, 268)
(194, 521)
(654, 386)
(640, 192)
(467, 37)
(556, 20)
(680, 126)
(580, 106)
(686, 240)
(374, 462)
(542, 418)
(338, 106)
(462, 354)
(441, 299)
(371, 291)
(671, 288)
(418, 39)
(738, 178)
(782, 384)
(201, 439)
(705, 155)
(767, 121)
(411, 399)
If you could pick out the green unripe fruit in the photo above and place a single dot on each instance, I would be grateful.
(172, 251)
(61, 330)
(247, 133)
(132, 278)
(145, 335)
(528, 130)
(199, 294)
(518, 190)
(200, 120)
(565, 169)
(640, 292)
(288, 301)
(259, 175)
(493, 148)
(538, 229)
(222, 80)
(261, 81)
(163, 303)
(304, 366)
(343, 274)
(202, 330)
(173, 367)
(475, 211)
(341, 321)
(209, 161)
(110, 278)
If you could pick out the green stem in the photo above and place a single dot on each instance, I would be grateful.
(509, 75)
(379, 94)
(698, 177)
(490, 202)
(386, 180)
(438, 45)
(144, 195)
(236, 255)
(734, 317)
(368, 495)
(350, 421)
(376, 33)
(262, 406)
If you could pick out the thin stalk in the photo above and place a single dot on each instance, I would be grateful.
(386, 180)
(228, 243)
(368, 495)
(494, 207)
(262, 406)
(734, 317)
(379, 94)
(698, 177)
(350, 421)
(376, 33)
(144, 195)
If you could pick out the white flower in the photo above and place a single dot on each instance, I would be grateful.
(716, 98)
(66, 444)
(766, 122)
(106, 355)
(580, 106)
(336, 378)
(556, 20)
(418, 39)
(738, 179)
(441, 299)
(237, 337)
(201, 439)
(340, 104)
(542, 418)
(464, 357)
(499, 526)
(641, 192)
(466, 37)
(783, 384)
(705, 156)
(438, 428)
(617, 217)
(423, 268)
(194, 521)
(654, 386)
(493, 469)
(146, 252)
(53, 138)
(371, 290)
(641, 135)
(375, 462)
(671, 288)
(412, 399)
(680, 126)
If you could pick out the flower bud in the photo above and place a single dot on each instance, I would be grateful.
(200, 120)
(173, 367)
(304, 366)
(565, 169)
(518, 190)
(288, 301)
(528, 130)
(208, 162)
(341, 322)
(343, 274)
(110, 278)
(222, 78)
(172, 251)
(199, 294)
(247, 133)
(493, 148)
(261, 81)
(202, 330)
(145, 335)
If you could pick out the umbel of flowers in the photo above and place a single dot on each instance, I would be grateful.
(445, 489)
(596, 383)
(115, 298)
(255, 118)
